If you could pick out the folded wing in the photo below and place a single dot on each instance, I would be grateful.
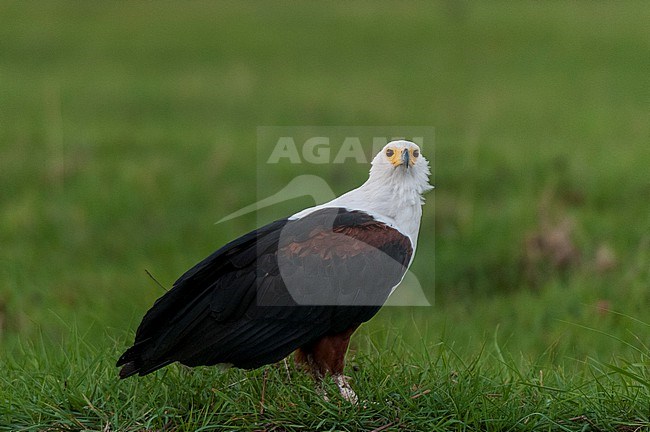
(271, 291)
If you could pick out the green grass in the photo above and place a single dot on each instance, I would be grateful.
(127, 129)
(411, 387)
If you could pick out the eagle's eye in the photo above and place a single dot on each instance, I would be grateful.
(390, 152)
(416, 153)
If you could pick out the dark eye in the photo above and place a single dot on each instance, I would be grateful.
(416, 153)
(390, 152)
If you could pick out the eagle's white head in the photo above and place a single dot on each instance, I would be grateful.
(399, 176)
(401, 166)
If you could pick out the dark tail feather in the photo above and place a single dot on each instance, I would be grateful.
(132, 368)
(132, 362)
(128, 369)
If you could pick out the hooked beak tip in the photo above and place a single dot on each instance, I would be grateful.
(405, 158)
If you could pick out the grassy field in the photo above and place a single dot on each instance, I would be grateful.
(128, 128)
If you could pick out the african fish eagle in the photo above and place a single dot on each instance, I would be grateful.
(304, 283)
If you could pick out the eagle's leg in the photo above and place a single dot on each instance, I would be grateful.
(319, 384)
(327, 356)
(305, 359)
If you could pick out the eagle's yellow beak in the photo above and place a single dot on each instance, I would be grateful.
(402, 157)
(405, 158)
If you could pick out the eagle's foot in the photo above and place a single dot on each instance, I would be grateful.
(346, 391)
(321, 391)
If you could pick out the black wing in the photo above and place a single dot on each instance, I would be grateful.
(271, 291)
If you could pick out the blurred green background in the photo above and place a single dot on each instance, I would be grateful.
(128, 128)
